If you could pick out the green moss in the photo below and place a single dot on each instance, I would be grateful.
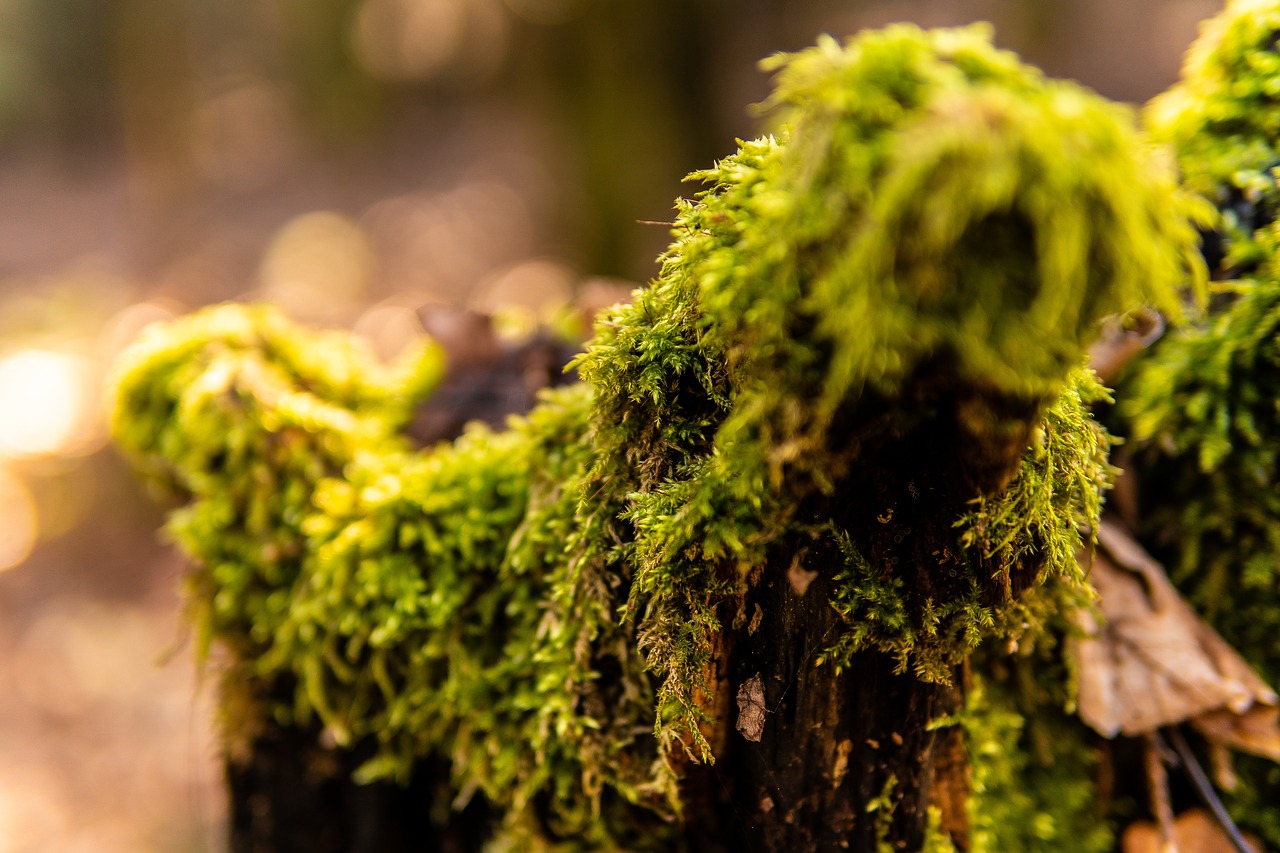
(1034, 772)
(932, 202)
(1203, 412)
(417, 598)
(235, 412)
(918, 257)
(1035, 766)
(1033, 522)
(1223, 121)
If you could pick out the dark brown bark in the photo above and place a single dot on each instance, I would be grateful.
(832, 741)
(289, 793)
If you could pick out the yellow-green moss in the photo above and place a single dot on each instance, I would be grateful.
(1034, 521)
(1222, 119)
(932, 216)
(1202, 412)
(419, 598)
(930, 201)
(1034, 776)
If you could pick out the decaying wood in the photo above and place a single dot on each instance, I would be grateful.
(488, 378)
(864, 731)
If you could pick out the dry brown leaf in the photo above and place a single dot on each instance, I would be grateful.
(1256, 731)
(1152, 662)
(1193, 832)
(799, 576)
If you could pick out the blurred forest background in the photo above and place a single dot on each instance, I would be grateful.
(352, 160)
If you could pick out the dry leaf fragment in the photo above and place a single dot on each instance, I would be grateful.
(843, 750)
(751, 709)
(800, 577)
(1152, 662)
(1256, 731)
(1122, 338)
(1194, 831)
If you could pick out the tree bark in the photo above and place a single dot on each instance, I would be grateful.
(832, 741)
(290, 793)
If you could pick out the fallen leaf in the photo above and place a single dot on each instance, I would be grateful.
(1256, 731)
(1151, 662)
(843, 750)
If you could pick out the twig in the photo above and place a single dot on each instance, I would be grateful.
(1205, 789)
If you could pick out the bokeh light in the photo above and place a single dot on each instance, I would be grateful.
(391, 326)
(245, 136)
(87, 649)
(44, 399)
(125, 325)
(547, 12)
(423, 40)
(19, 527)
(526, 295)
(318, 266)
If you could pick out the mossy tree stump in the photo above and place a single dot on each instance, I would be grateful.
(724, 593)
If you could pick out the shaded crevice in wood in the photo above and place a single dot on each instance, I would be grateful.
(290, 794)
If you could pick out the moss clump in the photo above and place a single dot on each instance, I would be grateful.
(932, 237)
(1223, 121)
(1203, 411)
(1034, 776)
(1200, 410)
(1036, 767)
(868, 326)
(417, 598)
(1207, 428)
(236, 413)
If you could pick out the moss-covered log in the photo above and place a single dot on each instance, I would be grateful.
(721, 594)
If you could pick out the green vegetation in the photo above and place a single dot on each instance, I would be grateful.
(984, 232)
(1222, 122)
(414, 597)
(909, 271)
(1201, 409)
(1034, 774)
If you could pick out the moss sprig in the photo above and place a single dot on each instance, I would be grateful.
(1222, 120)
(1033, 526)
